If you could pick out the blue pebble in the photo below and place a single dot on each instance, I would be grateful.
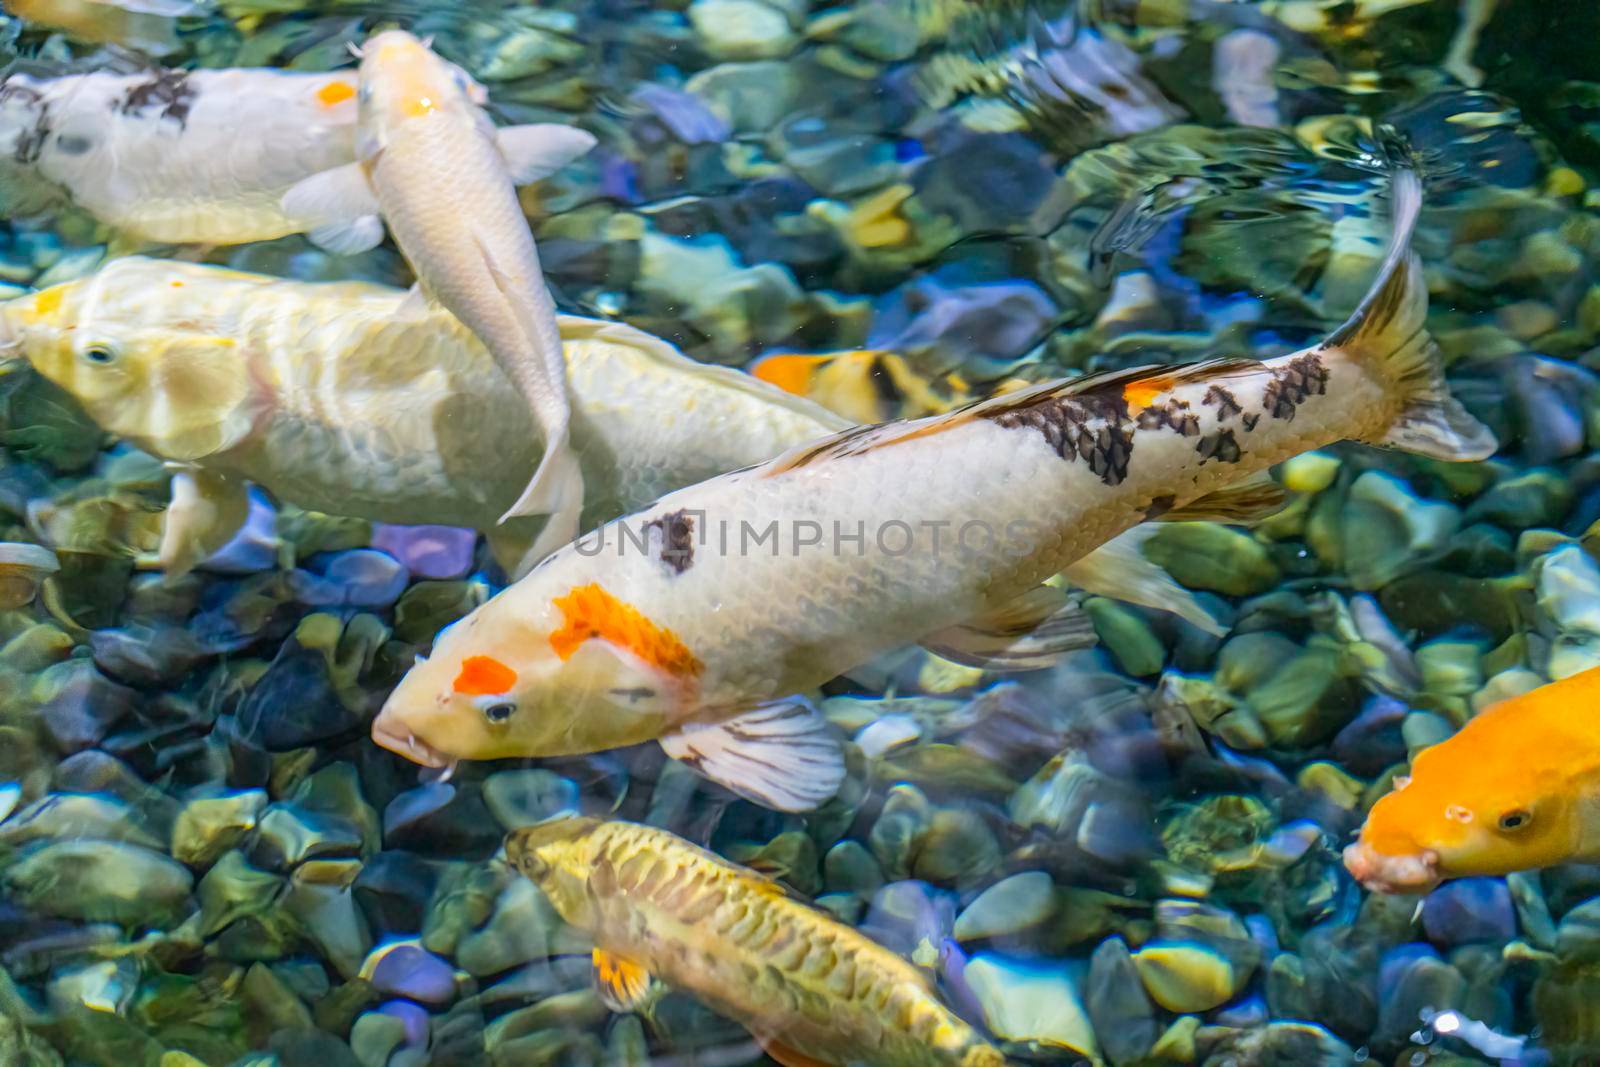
(1263, 934)
(1246, 1012)
(409, 971)
(1469, 910)
(255, 547)
(359, 578)
(416, 1021)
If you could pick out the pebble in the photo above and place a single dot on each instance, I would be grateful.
(741, 29)
(1185, 977)
(1468, 910)
(405, 970)
(1031, 1002)
(1010, 906)
(429, 552)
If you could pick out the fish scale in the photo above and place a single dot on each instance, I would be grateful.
(790, 972)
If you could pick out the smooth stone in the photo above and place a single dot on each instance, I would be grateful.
(425, 608)
(1533, 912)
(1118, 1007)
(209, 826)
(409, 971)
(232, 890)
(741, 29)
(524, 927)
(849, 868)
(752, 97)
(375, 1037)
(319, 898)
(255, 547)
(311, 1048)
(79, 815)
(442, 817)
(1205, 555)
(295, 704)
(909, 917)
(415, 1021)
(22, 567)
(394, 888)
(1469, 909)
(958, 849)
(1184, 977)
(1568, 590)
(356, 578)
(1030, 1002)
(1423, 983)
(1387, 529)
(1537, 498)
(1129, 638)
(146, 655)
(1009, 906)
(431, 552)
(102, 881)
(1578, 933)
(287, 835)
(684, 115)
(78, 706)
(522, 798)
(269, 1004)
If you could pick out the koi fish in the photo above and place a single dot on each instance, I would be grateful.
(690, 624)
(865, 385)
(1510, 791)
(812, 990)
(322, 393)
(174, 156)
(434, 167)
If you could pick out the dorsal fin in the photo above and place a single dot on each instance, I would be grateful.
(1115, 383)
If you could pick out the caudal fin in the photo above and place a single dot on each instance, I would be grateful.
(555, 491)
(1389, 334)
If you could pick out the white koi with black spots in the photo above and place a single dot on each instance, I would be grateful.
(701, 637)
(174, 156)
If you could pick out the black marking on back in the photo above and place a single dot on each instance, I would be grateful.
(1302, 377)
(1219, 446)
(1223, 400)
(883, 385)
(168, 90)
(1173, 415)
(1250, 421)
(677, 540)
(1159, 507)
(1091, 425)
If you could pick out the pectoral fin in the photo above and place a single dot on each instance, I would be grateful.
(787, 1057)
(348, 238)
(1118, 569)
(1241, 503)
(338, 209)
(539, 149)
(624, 985)
(206, 511)
(781, 754)
(1031, 633)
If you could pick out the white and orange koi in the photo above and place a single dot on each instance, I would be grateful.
(174, 156)
(690, 624)
(812, 990)
(434, 167)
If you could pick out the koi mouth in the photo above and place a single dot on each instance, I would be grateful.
(1382, 873)
(403, 742)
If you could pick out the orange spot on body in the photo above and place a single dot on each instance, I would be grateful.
(335, 93)
(1141, 393)
(484, 675)
(791, 373)
(590, 612)
(177, 285)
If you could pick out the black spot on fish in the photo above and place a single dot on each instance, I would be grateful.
(1173, 415)
(1223, 400)
(1219, 446)
(635, 694)
(1159, 507)
(73, 145)
(1251, 420)
(677, 540)
(168, 90)
(1302, 377)
(1091, 425)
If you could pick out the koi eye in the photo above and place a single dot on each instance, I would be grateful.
(101, 354)
(1515, 820)
(499, 711)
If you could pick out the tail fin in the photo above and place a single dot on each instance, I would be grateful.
(1388, 333)
(556, 491)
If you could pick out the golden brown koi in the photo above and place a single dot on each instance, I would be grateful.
(812, 990)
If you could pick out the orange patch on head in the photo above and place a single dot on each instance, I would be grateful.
(792, 374)
(591, 612)
(335, 93)
(1141, 393)
(484, 675)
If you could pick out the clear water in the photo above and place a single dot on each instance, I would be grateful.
(1132, 857)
